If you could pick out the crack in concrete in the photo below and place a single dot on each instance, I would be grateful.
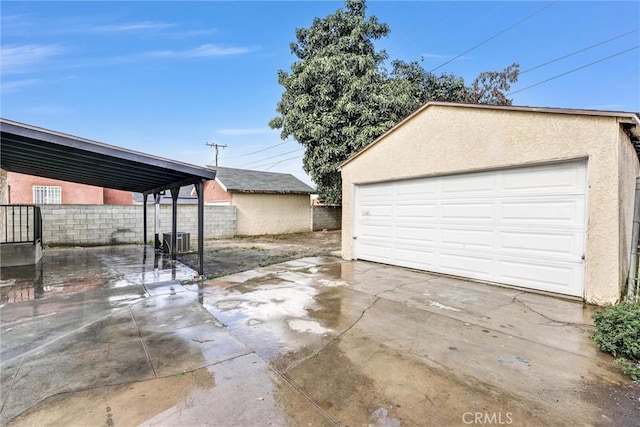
(144, 346)
(305, 396)
(514, 299)
(13, 381)
(317, 353)
(549, 319)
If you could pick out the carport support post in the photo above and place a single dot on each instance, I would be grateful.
(144, 219)
(200, 191)
(174, 220)
(156, 225)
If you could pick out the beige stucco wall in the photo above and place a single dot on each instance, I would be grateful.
(272, 213)
(628, 170)
(443, 140)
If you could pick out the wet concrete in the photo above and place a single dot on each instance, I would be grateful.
(316, 341)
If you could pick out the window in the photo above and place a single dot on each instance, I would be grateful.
(43, 195)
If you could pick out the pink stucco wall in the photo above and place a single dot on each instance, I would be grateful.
(21, 191)
(117, 197)
(213, 192)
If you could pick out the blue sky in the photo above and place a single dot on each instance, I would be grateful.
(167, 77)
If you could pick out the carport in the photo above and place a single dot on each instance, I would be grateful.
(42, 152)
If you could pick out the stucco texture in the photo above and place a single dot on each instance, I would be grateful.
(272, 213)
(21, 191)
(445, 139)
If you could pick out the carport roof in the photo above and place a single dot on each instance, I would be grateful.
(36, 151)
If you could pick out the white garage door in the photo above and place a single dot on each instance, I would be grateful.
(523, 226)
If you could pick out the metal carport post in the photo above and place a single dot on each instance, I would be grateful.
(200, 191)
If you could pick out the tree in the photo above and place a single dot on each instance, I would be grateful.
(339, 97)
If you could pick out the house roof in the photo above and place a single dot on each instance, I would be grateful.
(36, 151)
(250, 181)
(630, 122)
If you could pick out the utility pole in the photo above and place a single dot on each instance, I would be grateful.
(217, 147)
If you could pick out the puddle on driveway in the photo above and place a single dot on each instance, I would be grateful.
(74, 270)
(285, 313)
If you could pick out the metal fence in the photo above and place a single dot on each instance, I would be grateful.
(21, 224)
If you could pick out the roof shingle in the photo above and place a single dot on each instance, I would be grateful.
(250, 181)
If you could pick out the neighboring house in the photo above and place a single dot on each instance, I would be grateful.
(266, 202)
(186, 196)
(29, 189)
(538, 198)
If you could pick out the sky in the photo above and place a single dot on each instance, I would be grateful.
(168, 77)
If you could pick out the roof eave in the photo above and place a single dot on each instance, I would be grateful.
(635, 117)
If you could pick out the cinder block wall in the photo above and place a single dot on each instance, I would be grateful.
(113, 224)
(326, 218)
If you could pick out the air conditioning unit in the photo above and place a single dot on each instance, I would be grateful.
(182, 242)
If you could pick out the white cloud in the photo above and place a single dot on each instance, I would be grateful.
(191, 33)
(245, 131)
(16, 58)
(9, 86)
(129, 26)
(204, 51)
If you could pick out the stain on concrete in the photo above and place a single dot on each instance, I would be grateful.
(308, 342)
(120, 405)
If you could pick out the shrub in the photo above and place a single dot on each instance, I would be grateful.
(618, 333)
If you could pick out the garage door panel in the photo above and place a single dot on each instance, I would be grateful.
(541, 244)
(467, 211)
(416, 189)
(477, 184)
(377, 230)
(463, 264)
(554, 278)
(417, 257)
(377, 251)
(423, 234)
(543, 211)
(544, 180)
(379, 191)
(377, 211)
(409, 211)
(467, 238)
(522, 227)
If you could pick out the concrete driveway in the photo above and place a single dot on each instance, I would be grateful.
(317, 341)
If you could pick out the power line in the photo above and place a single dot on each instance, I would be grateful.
(634, 71)
(495, 35)
(281, 161)
(259, 151)
(575, 69)
(272, 157)
(577, 51)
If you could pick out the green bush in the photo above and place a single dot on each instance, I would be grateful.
(618, 333)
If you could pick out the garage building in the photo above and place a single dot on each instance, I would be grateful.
(538, 198)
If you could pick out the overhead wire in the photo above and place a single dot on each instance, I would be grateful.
(272, 157)
(573, 70)
(282, 161)
(634, 72)
(578, 51)
(258, 151)
(495, 35)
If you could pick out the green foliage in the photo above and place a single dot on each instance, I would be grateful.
(338, 96)
(628, 367)
(618, 333)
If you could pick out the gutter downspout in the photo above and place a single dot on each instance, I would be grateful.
(632, 281)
